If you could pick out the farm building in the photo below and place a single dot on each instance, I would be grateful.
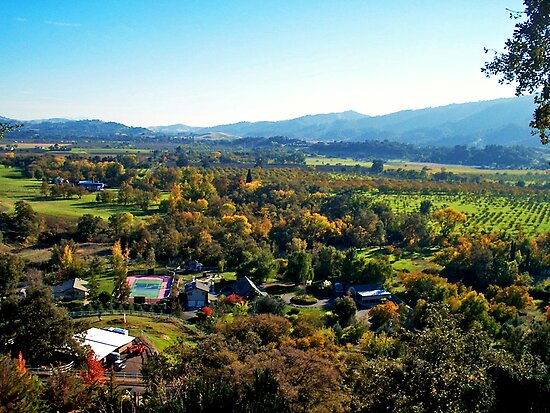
(92, 186)
(104, 342)
(369, 295)
(73, 289)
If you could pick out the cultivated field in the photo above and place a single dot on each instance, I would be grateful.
(485, 212)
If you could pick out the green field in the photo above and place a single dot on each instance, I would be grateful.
(417, 166)
(159, 330)
(109, 151)
(485, 212)
(14, 187)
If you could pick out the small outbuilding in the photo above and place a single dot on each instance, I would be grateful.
(104, 342)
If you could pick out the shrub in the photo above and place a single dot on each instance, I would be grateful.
(269, 305)
(207, 311)
(303, 300)
(293, 311)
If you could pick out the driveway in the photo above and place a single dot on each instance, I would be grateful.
(325, 303)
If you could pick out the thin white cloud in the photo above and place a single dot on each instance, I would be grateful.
(21, 19)
(62, 24)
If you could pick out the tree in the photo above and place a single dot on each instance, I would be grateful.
(11, 269)
(514, 296)
(448, 218)
(376, 271)
(299, 267)
(384, 315)
(89, 226)
(526, 61)
(121, 290)
(26, 222)
(150, 259)
(125, 193)
(425, 206)
(248, 176)
(328, 262)
(44, 188)
(65, 261)
(260, 265)
(35, 326)
(345, 309)
(20, 391)
(66, 391)
(93, 293)
(7, 127)
(377, 166)
(121, 224)
(269, 305)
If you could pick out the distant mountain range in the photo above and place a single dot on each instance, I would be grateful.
(67, 129)
(501, 121)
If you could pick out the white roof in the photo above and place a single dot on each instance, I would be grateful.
(373, 293)
(103, 342)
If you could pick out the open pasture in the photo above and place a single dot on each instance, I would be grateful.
(430, 167)
(485, 212)
(15, 187)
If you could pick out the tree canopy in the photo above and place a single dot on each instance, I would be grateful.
(526, 61)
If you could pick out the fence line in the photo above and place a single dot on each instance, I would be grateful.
(78, 314)
(88, 313)
(49, 370)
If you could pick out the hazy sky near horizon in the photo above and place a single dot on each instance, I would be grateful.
(208, 62)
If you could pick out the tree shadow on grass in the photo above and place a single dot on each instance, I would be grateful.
(114, 208)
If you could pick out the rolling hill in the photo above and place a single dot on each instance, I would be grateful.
(501, 121)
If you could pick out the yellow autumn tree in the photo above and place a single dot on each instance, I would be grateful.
(448, 219)
(121, 290)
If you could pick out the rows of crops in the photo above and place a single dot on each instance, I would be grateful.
(488, 212)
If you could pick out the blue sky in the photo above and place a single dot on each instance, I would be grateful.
(211, 62)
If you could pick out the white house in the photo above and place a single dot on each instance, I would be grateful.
(369, 296)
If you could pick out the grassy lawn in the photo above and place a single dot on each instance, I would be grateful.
(14, 187)
(415, 261)
(316, 310)
(161, 331)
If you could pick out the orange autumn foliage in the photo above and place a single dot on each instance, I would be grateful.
(94, 373)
